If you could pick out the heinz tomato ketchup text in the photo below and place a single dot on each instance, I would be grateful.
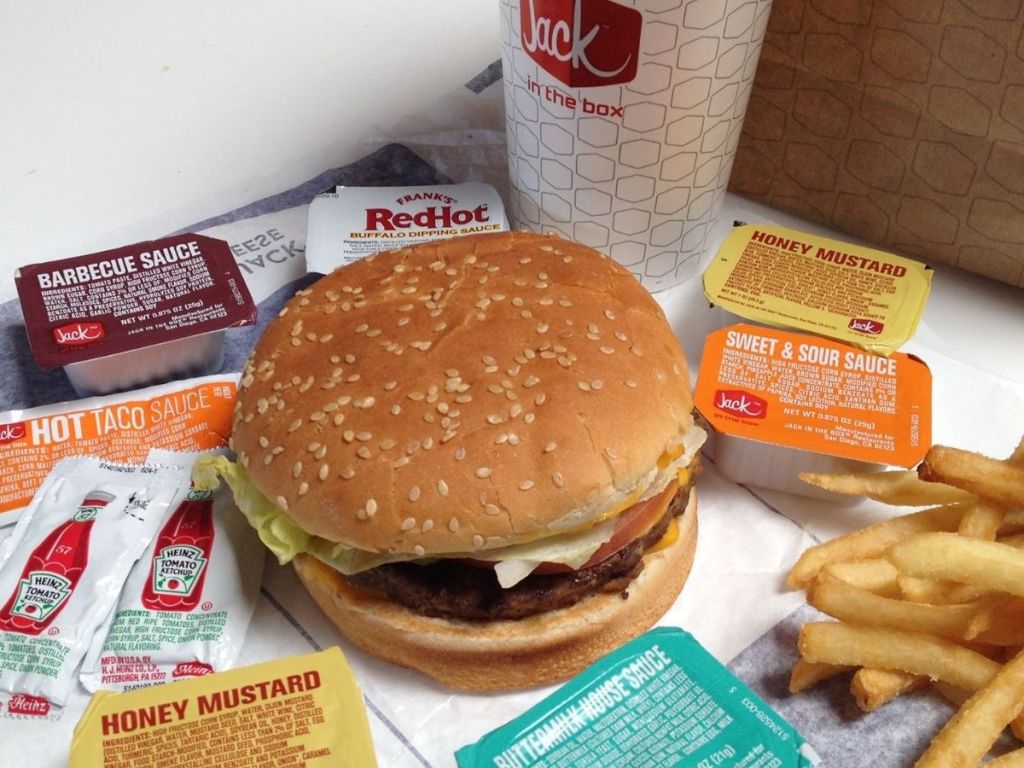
(187, 603)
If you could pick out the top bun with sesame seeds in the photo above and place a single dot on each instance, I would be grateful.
(463, 395)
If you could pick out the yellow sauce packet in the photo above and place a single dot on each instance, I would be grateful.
(789, 279)
(300, 710)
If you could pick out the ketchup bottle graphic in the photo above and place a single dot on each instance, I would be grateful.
(182, 550)
(53, 570)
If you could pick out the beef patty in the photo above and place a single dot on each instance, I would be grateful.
(455, 589)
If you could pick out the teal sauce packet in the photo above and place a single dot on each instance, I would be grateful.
(661, 700)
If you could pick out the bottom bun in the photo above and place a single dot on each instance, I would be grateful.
(506, 655)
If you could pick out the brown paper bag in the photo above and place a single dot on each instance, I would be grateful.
(898, 121)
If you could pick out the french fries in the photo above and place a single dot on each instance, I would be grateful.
(970, 734)
(873, 688)
(988, 565)
(807, 674)
(876, 575)
(1013, 759)
(1001, 482)
(873, 541)
(848, 603)
(900, 489)
(935, 597)
(833, 642)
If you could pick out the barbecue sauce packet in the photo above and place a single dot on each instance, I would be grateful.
(659, 700)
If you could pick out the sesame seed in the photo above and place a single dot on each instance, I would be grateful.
(478, 540)
(297, 469)
(428, 525)
(442, 488)
(611, 453)
(282, 502)
(459, 453)
(264, 442)
(631, 383)
(494, 418)
(609, 314)
(363, 436)
(312, 447)
(371, 507)
(303, 488)
(325, 470)
(529, 417)
(388, 443)
(419, 550)
(531, 381)
(583, 386)
(389, 385)
(363, 452)
(540, 399)
(409, 523)
(401, 461)
(483, 472)
(526, 485)
(453, 524)
(414, 493)
(549, 447)
(607, 350)
(515, 410)
(597, 383)
(396, 409)
(558, 480)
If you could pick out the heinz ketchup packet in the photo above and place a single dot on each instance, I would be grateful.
(187, 603)
(63, 567)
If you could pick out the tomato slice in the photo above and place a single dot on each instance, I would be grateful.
(630, 525)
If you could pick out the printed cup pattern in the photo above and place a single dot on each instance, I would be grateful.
(636, 168)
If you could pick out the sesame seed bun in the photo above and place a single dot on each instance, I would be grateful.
(462, 395)
(506, 655)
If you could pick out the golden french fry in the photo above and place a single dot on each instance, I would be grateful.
(1017, 457)
(936, 591)
(974, 729)
(805, 674)
(899, 488)
(1013, 524)
(873, 688)
(872, 541)
(849, 603)
(875, 574)
(882, 648)
(1000, 623)
(981, 521)
(998, 481)
(988, 565)
(1016, 540)
(952, 694)
(1013, 759)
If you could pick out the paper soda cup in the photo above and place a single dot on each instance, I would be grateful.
(622, 121)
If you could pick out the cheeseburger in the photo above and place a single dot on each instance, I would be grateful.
(478, 453)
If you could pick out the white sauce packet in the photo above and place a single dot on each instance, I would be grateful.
(351, 222)
(188, 601)
(62, 569)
